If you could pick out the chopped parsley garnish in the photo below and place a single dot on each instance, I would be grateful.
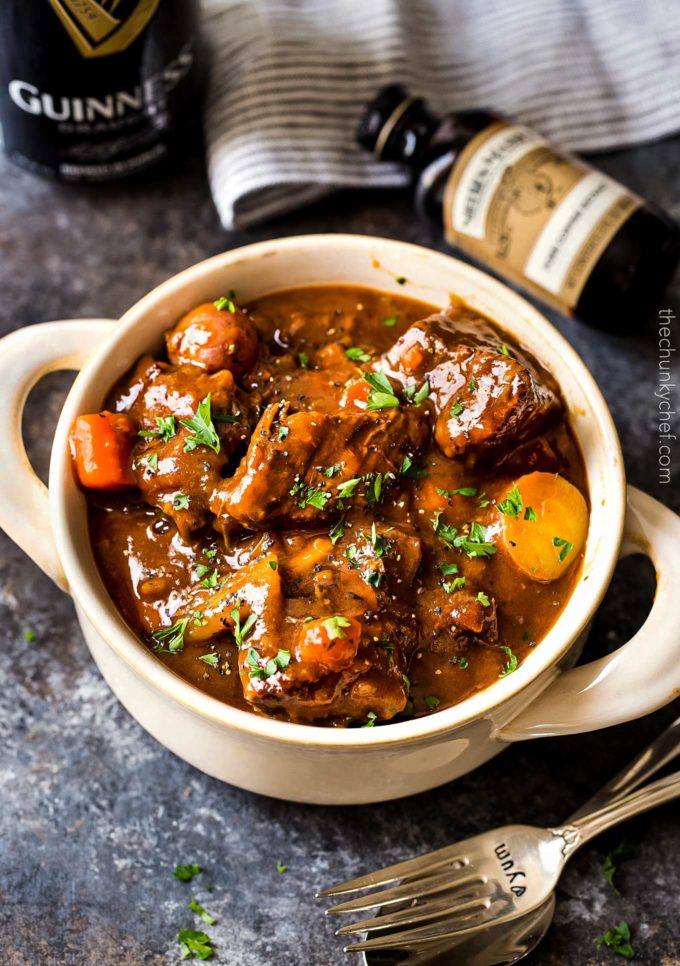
(356, 354)
(152, 461)
(303, 359)
(263, 671)
(224, 418)
(375, 483)
(381, 395)
(210, 552)
(530, 514)
(334, 626)
(370, 719)
(172, 637)
(447, 569)
(202, 428)
(391, 322)
(453, 585)
(416, 396)
(280, 867)
(463, 663)
(330, 471)
(611, 861)
(348, 487)
(483, 599)
(457, 410)
(617, 939)
(241, 631)
(201, 570)
(564, 544)
(445, 532)
(194, 945)
(459, 491)
(180, 501)
(338, 531)
(483, 501)
(432, 702)
(473, 384)
(224, 303)
(210, 581)
(283, 433)
(211, 659)
(199, 619)
(475, 544)
(274, 564)
(511, 663)
(504, 349)
(185, 873)
(309, 495)
(381, 545)
(29, 635)
(410, 470)
(200, 911)
(167, 427)
(512, 505)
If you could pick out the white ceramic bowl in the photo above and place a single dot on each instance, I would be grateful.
(300, 762)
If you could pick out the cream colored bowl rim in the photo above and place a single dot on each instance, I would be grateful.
(91, 597)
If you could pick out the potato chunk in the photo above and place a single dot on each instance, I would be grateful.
(545, 529)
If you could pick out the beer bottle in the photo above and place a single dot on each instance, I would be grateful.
(92, 90)
(542, 219)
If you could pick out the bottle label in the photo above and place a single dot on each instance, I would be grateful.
(539, 218)
(101, 27)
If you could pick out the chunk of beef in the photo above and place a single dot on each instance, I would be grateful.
(487, 397)
(340, 666)
(301, 466)
(450, 621)
(170, 471)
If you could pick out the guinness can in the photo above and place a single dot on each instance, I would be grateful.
(93, 90)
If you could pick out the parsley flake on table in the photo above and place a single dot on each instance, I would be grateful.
(280, 867)
(172, 637)
(167, 427)
(617, 939)
(381, 395)
(511, 663)
(202, 428)
(194, 945)
(185, 873)
(356, 354)
(564, 544)
(613, 859)
(29, 635)
(203, 913)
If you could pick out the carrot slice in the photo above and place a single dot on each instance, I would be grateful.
(101, 444)
(545, 524)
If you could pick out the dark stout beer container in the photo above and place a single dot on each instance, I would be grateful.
(93, 90)
(546, 221)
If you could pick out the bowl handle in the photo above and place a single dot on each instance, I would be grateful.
(25, 356)
(640, 676)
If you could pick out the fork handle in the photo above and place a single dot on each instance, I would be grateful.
(580, 831)
(662, 750)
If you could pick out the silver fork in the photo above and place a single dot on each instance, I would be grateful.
(501, 876)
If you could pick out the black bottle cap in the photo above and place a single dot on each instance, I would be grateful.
(380, 117)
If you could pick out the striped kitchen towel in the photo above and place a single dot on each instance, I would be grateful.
(290, 78)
